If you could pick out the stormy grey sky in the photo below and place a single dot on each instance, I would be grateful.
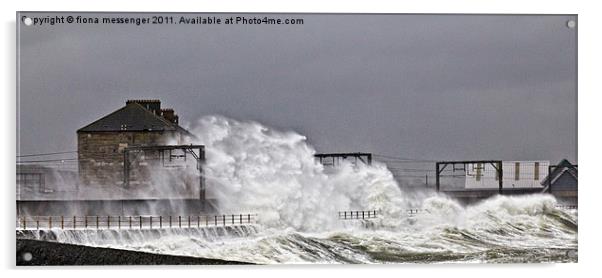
(415, 86)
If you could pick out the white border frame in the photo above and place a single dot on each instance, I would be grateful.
(588, 114)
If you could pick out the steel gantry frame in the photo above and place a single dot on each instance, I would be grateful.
(162, 150)
(497, 165)
(365, 158)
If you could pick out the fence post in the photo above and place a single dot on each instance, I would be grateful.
(25, 223)
(206, 220)
(74, 226)
(249, 218)
(224, 219)
(119, 222)
(140, 222)
(49, 222)
(240, 219)
(86, 221)
(215, 219)
(37, 223)
(198, 221)
(151, 222)
(180, 221)
(97, 222)
(188, 221)
(108, 222)
(160, 222)
(170, 221)
(130, 222)
(62, 223)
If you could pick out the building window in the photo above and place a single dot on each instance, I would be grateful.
(536, 171)
(517, 171)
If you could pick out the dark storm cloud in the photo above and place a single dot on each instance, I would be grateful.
(420, 86)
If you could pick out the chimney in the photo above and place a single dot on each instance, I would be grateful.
(169, 115)
(153, 105)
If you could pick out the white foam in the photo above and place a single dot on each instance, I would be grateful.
(251, 167)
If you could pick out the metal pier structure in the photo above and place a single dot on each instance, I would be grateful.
(165, 154)
(560, 180)
(497, 165)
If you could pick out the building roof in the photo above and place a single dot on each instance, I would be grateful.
(563, 167)
(132, 117)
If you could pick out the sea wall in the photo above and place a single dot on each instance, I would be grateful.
(40, 253)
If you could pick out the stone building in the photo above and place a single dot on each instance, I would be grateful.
(101, 144)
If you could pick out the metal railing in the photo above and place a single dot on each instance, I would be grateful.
(368, 214)
(371, 214)
(413, 211)
(358, 214)
(98, 222)
(566, 206)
